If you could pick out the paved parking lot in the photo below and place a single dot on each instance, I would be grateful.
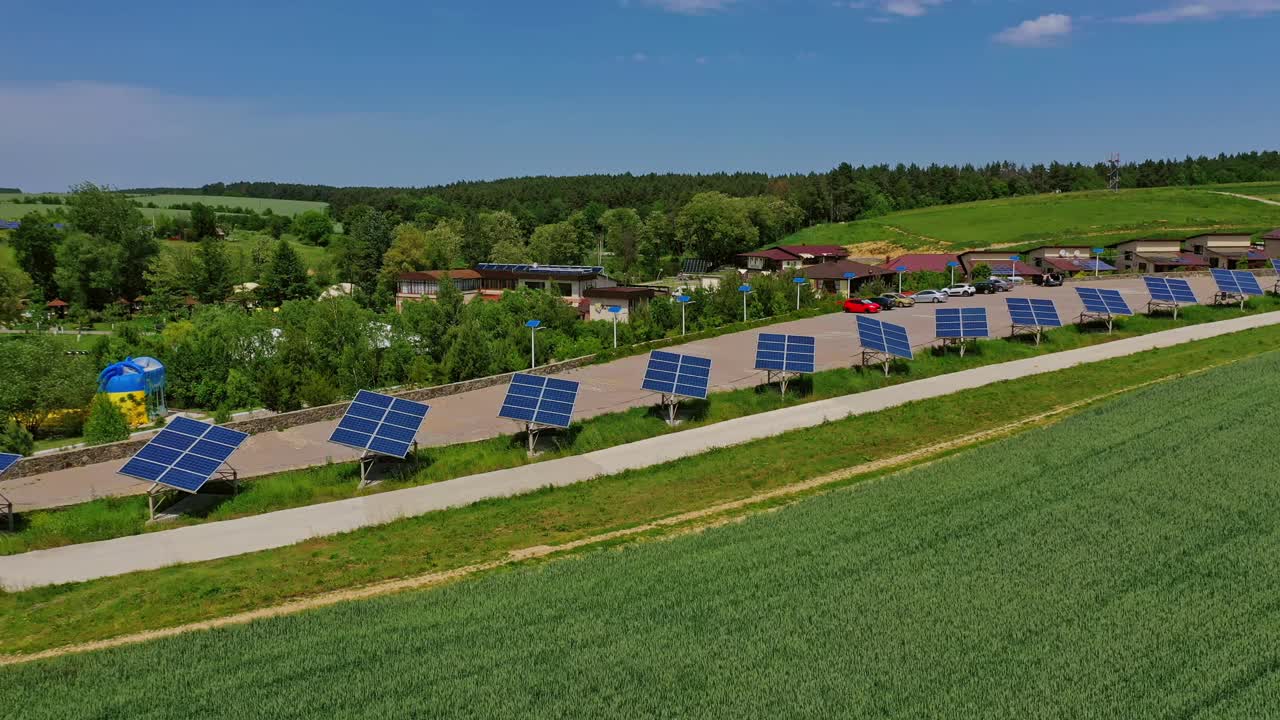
(605, 388)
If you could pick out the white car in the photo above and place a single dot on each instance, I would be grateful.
(930, 296)
(961, 290)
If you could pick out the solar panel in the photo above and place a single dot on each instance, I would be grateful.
(695, 266)
(1172, 290)
(673, 374)
(380, 423)
(785, 353)
(961, 323)
(185, 455)
(1275, 265)
(1105, 302)
(884, 337)
(1236, 282)
(542, 269)
(7, 460)
(535, 399)
(1033, 311)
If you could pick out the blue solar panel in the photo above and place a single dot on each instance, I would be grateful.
(7, 461)
(884, 337)
(1033, 312)
(962, 323)
(785, 353)
(1104, 302)
(380, 423)
(1169, 289)
(1236, 282)
(184, 455)
(674, 374)
(1275, 265)
(546, 401)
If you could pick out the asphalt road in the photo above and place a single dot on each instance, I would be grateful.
(605, 388)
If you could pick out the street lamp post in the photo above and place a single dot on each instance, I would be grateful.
(684, 301)
(1097, 261)
(799, 284)
(900, 269)
(849, 276)
(745, 290)
(534, 326)
(1013, 266)
(615, 310)
(953, 265)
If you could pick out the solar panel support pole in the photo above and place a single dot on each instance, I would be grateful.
(1108, 318)
(870, 356)
(531, 431)
(672, 405)
(1154, 305)
(1035, 331)
(6, 506)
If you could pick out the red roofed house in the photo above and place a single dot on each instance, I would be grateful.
(922, 262)
(425, 285)
(829, 277)
(1271, 241)
(999, 262)
(790, 257)
(1155, 255)
(1228, 250)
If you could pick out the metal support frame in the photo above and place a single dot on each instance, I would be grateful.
(958, 342)
(671, 405)
(1162, 305)
(875, 357)
(368, 460)
(6, 508)
(1226, 298)
(782, 377)
(156, 492)
(1108, 318)
(532, 430)
(1037, 331)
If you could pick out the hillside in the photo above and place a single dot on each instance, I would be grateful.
(14, 206)
(1023, 222)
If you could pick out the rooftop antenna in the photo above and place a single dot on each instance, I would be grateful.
(1113, 172)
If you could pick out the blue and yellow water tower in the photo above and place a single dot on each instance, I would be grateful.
(137, 386)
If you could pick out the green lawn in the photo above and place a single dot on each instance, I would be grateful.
(1079, 218)
(7, 257)
(279, 207)
(1102, 567)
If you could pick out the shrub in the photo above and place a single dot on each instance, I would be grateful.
(106, 424)
(14, 438)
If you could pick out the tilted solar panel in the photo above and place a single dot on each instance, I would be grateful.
(1104, 302)
(185, 455)
(1159, 288)
(536, 399)
(674, 374)
(1248, 283)
(884, 337)
(380, 423)
(1236, 282)
(785, 353)
(961, 323)
(1275, 265)
(1033, 312)
(1046, 313)
(8, 460)
(1181, 290)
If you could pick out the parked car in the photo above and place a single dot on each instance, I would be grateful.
(986, 287)
(1051, 280)
(886, 302)
(961, 290)
(930, 296)
(1002, 284)
(901, 299)
(1015, 280)
(860, 305)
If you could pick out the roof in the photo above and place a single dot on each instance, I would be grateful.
(56, 302)
(533, 270)
(922, 262)
(437, 274)
(1118, 243)
(1213, 235)
(1020, 268)
(836, 270)
(620, 292)
(1185, 259)
(816, 250)
(1077, 264)
(1248, 253)
(1273, 235)
(771, 254)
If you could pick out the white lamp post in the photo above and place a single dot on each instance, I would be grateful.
(534, 326)
(1013, 266)
(684, 301)
(1097, 261)
(900, 269)
(615, 310)
(745, 290)
(799, 284)
(953, 265)
(849, 276)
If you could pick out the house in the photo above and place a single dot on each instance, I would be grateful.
(489, 280)
(1271, 243)
(1227, 250)
(790, 257)
(922, 262)
(1155, 255)
(999, 262)
(830, 277)
(1067, 259)
(600, 299)
(425, 285)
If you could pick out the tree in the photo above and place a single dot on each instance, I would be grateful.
(408, 253)
(171, 278)
(501, 233)
(204, 221)
(444, 245)
(660, 232)
(556, 244)
(312, 227)
(715, 227)
(15, 286)
(14, 438)
(622, 233)
(368, 238)
(88, 271)
(106, 423)
(981, 271)
(213, 279)
(286, 276)
(35, 243)
(469, 355)
(112, 219)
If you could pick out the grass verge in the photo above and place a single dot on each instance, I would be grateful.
(487, 531)
(118, 517)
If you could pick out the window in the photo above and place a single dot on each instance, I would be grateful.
(1197, 249)
(566, 289)
(535, 284)
(1142, 267)
(755, 263)
(1128, 255)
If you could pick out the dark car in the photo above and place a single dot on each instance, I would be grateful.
(986, 286)
(886, 302)
(1052, 280)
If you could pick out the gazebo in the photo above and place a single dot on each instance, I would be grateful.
(58, 307)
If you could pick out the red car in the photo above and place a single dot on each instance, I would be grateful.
(858, 305)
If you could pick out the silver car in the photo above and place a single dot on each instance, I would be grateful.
(930, 296)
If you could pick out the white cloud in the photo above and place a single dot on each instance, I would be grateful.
(909, 8)
(691, 7)
(1205, 10)
(1044, 30)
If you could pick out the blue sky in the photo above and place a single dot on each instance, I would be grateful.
(423, 92)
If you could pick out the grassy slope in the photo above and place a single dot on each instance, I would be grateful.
(1077, 218)
(1048, 575)
(279, 207)
(117, 517)
(488, 531)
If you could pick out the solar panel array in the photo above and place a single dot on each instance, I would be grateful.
(380, 423)
(7, 460)
(961, 322)
(785, 353)
(1172, 290)
(673, 374)
(1275, 265)
(1033, 311)
(1105, 302)
(185, 455)
(542, 400)
(1236, 282)
(542, 269)
(884, 337)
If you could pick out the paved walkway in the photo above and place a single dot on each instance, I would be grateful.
(1247, 197)
(234, 537)
(606, 388)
